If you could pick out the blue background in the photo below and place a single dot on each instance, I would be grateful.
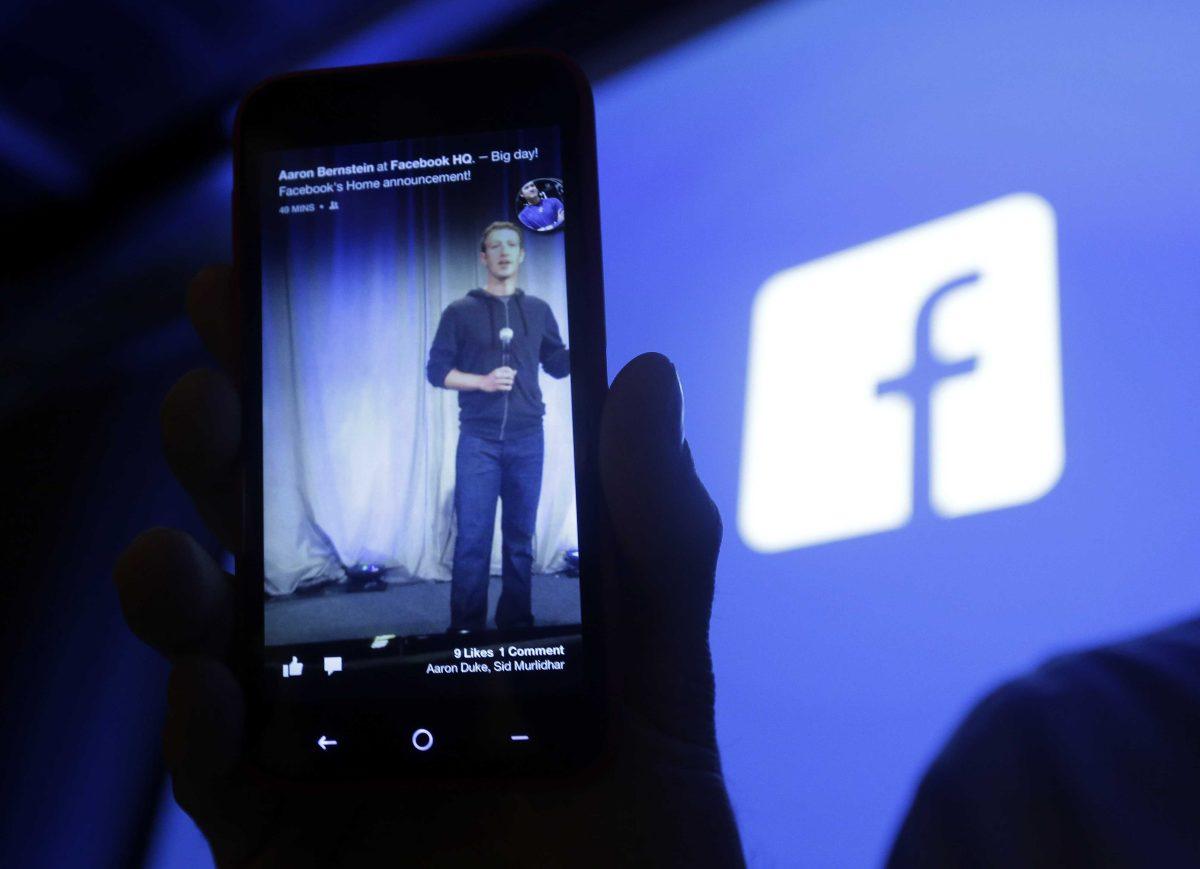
(798, 130)
(803, 129)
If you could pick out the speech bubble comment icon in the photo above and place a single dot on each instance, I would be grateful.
(333, 665)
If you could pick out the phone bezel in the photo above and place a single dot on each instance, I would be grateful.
(388, 102)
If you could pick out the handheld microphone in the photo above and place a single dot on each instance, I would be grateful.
(506, 335)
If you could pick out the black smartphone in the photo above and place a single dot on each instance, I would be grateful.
(417, 253)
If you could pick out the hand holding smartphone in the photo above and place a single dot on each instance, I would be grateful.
(241, 707)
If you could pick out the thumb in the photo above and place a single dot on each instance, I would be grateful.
(661, 513)
(668, 533)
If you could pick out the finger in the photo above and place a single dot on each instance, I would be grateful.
(173, 595)
(213, 309)
(668, 533)
(201, 429)
(660, 510)
(202, 737)
(203, 747)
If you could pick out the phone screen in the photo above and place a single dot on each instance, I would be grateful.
(420, 541)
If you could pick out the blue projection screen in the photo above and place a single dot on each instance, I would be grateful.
(944, 257)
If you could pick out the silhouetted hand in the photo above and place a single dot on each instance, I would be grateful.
(663, 800)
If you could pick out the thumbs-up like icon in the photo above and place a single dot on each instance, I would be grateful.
(294, 668)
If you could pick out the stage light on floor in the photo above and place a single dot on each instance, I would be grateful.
(365, 577)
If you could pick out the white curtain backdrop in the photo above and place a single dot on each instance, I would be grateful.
(358, 447)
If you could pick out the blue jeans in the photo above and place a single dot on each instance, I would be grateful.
(510, 470)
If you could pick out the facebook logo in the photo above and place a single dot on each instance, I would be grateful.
(916, 376)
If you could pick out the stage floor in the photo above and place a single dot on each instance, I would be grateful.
(404, 609)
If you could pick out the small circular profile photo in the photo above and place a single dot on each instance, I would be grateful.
(540, 204)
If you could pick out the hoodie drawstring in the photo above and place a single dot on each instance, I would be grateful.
(521, 311)
(492, 322)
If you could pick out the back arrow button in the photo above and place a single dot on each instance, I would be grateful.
(324, 742)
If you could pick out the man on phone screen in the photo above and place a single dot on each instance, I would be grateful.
(488, 347)
(541, 213)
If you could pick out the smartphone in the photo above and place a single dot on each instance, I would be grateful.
(417, 253)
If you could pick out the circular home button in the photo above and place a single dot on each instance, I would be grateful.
(422, 739)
